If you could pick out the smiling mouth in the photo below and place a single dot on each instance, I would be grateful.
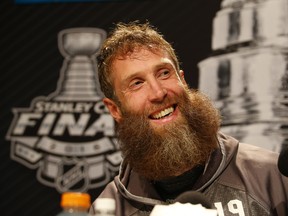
(163, 113)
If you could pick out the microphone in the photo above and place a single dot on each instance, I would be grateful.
(283, 161)
(186, 204)
(194, 198)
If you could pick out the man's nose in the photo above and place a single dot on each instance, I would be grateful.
(157, 91)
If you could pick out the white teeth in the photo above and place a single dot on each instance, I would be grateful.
(163, 113)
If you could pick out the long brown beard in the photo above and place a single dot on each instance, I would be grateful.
(175, 147)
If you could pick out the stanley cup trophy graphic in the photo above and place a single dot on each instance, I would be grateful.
(79, 80)
(69, 136)
(247, 74)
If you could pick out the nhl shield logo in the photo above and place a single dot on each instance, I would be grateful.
(69, 136)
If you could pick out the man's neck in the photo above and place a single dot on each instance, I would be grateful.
(170, 188)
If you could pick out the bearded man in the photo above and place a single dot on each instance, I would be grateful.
(169, 135)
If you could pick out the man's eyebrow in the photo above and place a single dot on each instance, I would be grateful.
(164, 64)
(158, 66)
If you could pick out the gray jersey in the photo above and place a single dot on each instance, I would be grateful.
(239, 179)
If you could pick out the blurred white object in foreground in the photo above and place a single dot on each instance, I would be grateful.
(182, 209)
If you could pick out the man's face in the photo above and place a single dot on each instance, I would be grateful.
(164, 129)
(147, 83)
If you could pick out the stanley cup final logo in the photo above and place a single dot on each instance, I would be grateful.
(69, 136)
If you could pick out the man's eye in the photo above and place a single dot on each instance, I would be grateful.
(136, 84)
(165, 74)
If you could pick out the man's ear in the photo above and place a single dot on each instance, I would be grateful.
(113, 109)
(182, 77)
